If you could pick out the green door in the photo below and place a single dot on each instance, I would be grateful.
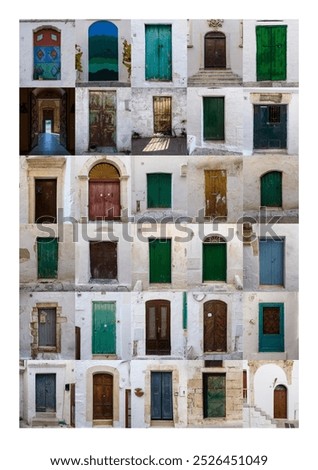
(213, 118)
(104, 328)
(271, 189)
(158, 52)
(214, 261)
(158, 190)
(160, 260)
(214, 396)
(271, 327)
(47, 249)
(271, 52)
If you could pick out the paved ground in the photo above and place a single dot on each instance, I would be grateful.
(159, 146)
(48, 144)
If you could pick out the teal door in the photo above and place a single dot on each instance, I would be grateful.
(271, 52)
(158, 52)
(271, 261)
(270, 126)
(47, 249)
(271, 189)
(158, 190)
(214, 395)
(271, 327)
(159, 260)
(213, 118)
(104, 328)
(214, 261)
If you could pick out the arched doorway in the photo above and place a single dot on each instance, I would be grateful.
(103, 51)
(215, 326)
(104, 192)
(158, 327)
(271, 189)
(102, 396)
(214, 50)
(280, 402)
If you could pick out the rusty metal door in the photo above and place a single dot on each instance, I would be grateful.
(104, 200)
(103, 260)
(215, 326)
(102, 118)
(215, 193)
(102, 396)
(162, 115)
(45, 201)
(158, 327)
(280, 402)
(214, 50)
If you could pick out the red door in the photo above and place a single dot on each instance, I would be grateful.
(104, 200)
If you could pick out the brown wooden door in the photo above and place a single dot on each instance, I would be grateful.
(162, 114)
(45, 201)
(103, 260)
(280, 402)
(77, 343)
(102, 118)
(104, 200)
(215, 326)
(215, 193)
(158, 327)
(128, 408)
(214, 50)
(102, 396)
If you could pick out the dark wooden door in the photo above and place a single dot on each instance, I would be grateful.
(215, 193)
(162, 115)
(215, 326)
(47, 327)
(103, 260)
(104, 200)
(77, 343)
(45, 201)
(45, 392)
(158, 327)
(102, 118)
(280, 402)
(270, 127)
(271, 189)
(214, 50)
(161, 396)
(127, 408)
(158, 52)
(213, 118)
(102, 396)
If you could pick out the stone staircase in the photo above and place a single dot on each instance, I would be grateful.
(215, 79)
(45, 420)
(254, 417)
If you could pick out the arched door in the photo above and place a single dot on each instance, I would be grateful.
(103, 396)
(215, 326)
(280, 402)
(103, 51)
(104, 192)
(214, 50)
(271, 189)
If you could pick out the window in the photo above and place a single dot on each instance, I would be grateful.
(103, 51)
(158, 190)
(161, 396)
(104, 328)
(47, 250)
(158, 52)
(214, 258)
(271, 44)
(159, 260)
(271, 259)
(214, 395)
(47, 54)
(271, 327)
(213, 118)
(103, 260)
(270, 126)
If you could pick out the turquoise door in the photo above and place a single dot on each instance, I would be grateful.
(104, 328)
(158, 52)
(271, 327)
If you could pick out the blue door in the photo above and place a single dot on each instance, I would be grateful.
(271, 260)
(158, 52)
(271, 327)
(45, 392)
(161, 395)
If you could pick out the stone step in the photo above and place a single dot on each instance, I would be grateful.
(45, 420)
(215, 78)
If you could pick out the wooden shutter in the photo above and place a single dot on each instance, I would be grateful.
(104, 328)
(160, 260)
(214, 262)
(47, 249)
(103, 260)
(158, 52)
(214, 395)
(158, 190)
(161, 396)
(271, 189)
(271, 327)
(271, 258)
(271, 52)
(213, 118)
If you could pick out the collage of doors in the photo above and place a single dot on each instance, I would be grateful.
(159, 223)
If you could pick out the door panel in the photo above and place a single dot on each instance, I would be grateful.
(102, 118)
(271, 327)
(214, 50)
(47, 327)
(162, 115)
(104, 328)
(280, 402)
(271, 52)
(160, 260)
(102, 396)
(158, 190)
(215, 193)
(158, 52)
(271, 189)
(103, 260)
(158, 327)
(161, 396)
(45, 392)
(214, 395)
(103, 51)
(47, 249)
(270, 127)
(271, 261)
(215, 326)
(213, 118)
(45, 201)
(214, 262)
(104, 200)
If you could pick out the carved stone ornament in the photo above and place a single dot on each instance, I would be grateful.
(215, 23)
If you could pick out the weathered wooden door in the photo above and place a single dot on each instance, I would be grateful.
(215, 326)
(102, 396)
(214, 395)
(215, 193)
(270, 126)
(161, 396)
(271, 327)
(159, 260)
(158, 52)
(271, 52)
(162, 115)
(104, 200)
(102, 118)
(213, 118)
(280, 402)
(214, 259)
(158, 327)
(214, 50)
(271, 189)
(45, 201)
(158, 190)
(271, 259)
(127, 408)
(103, 260)
(104, 328)
(45, 393)
(47, 327)
(47, 249)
